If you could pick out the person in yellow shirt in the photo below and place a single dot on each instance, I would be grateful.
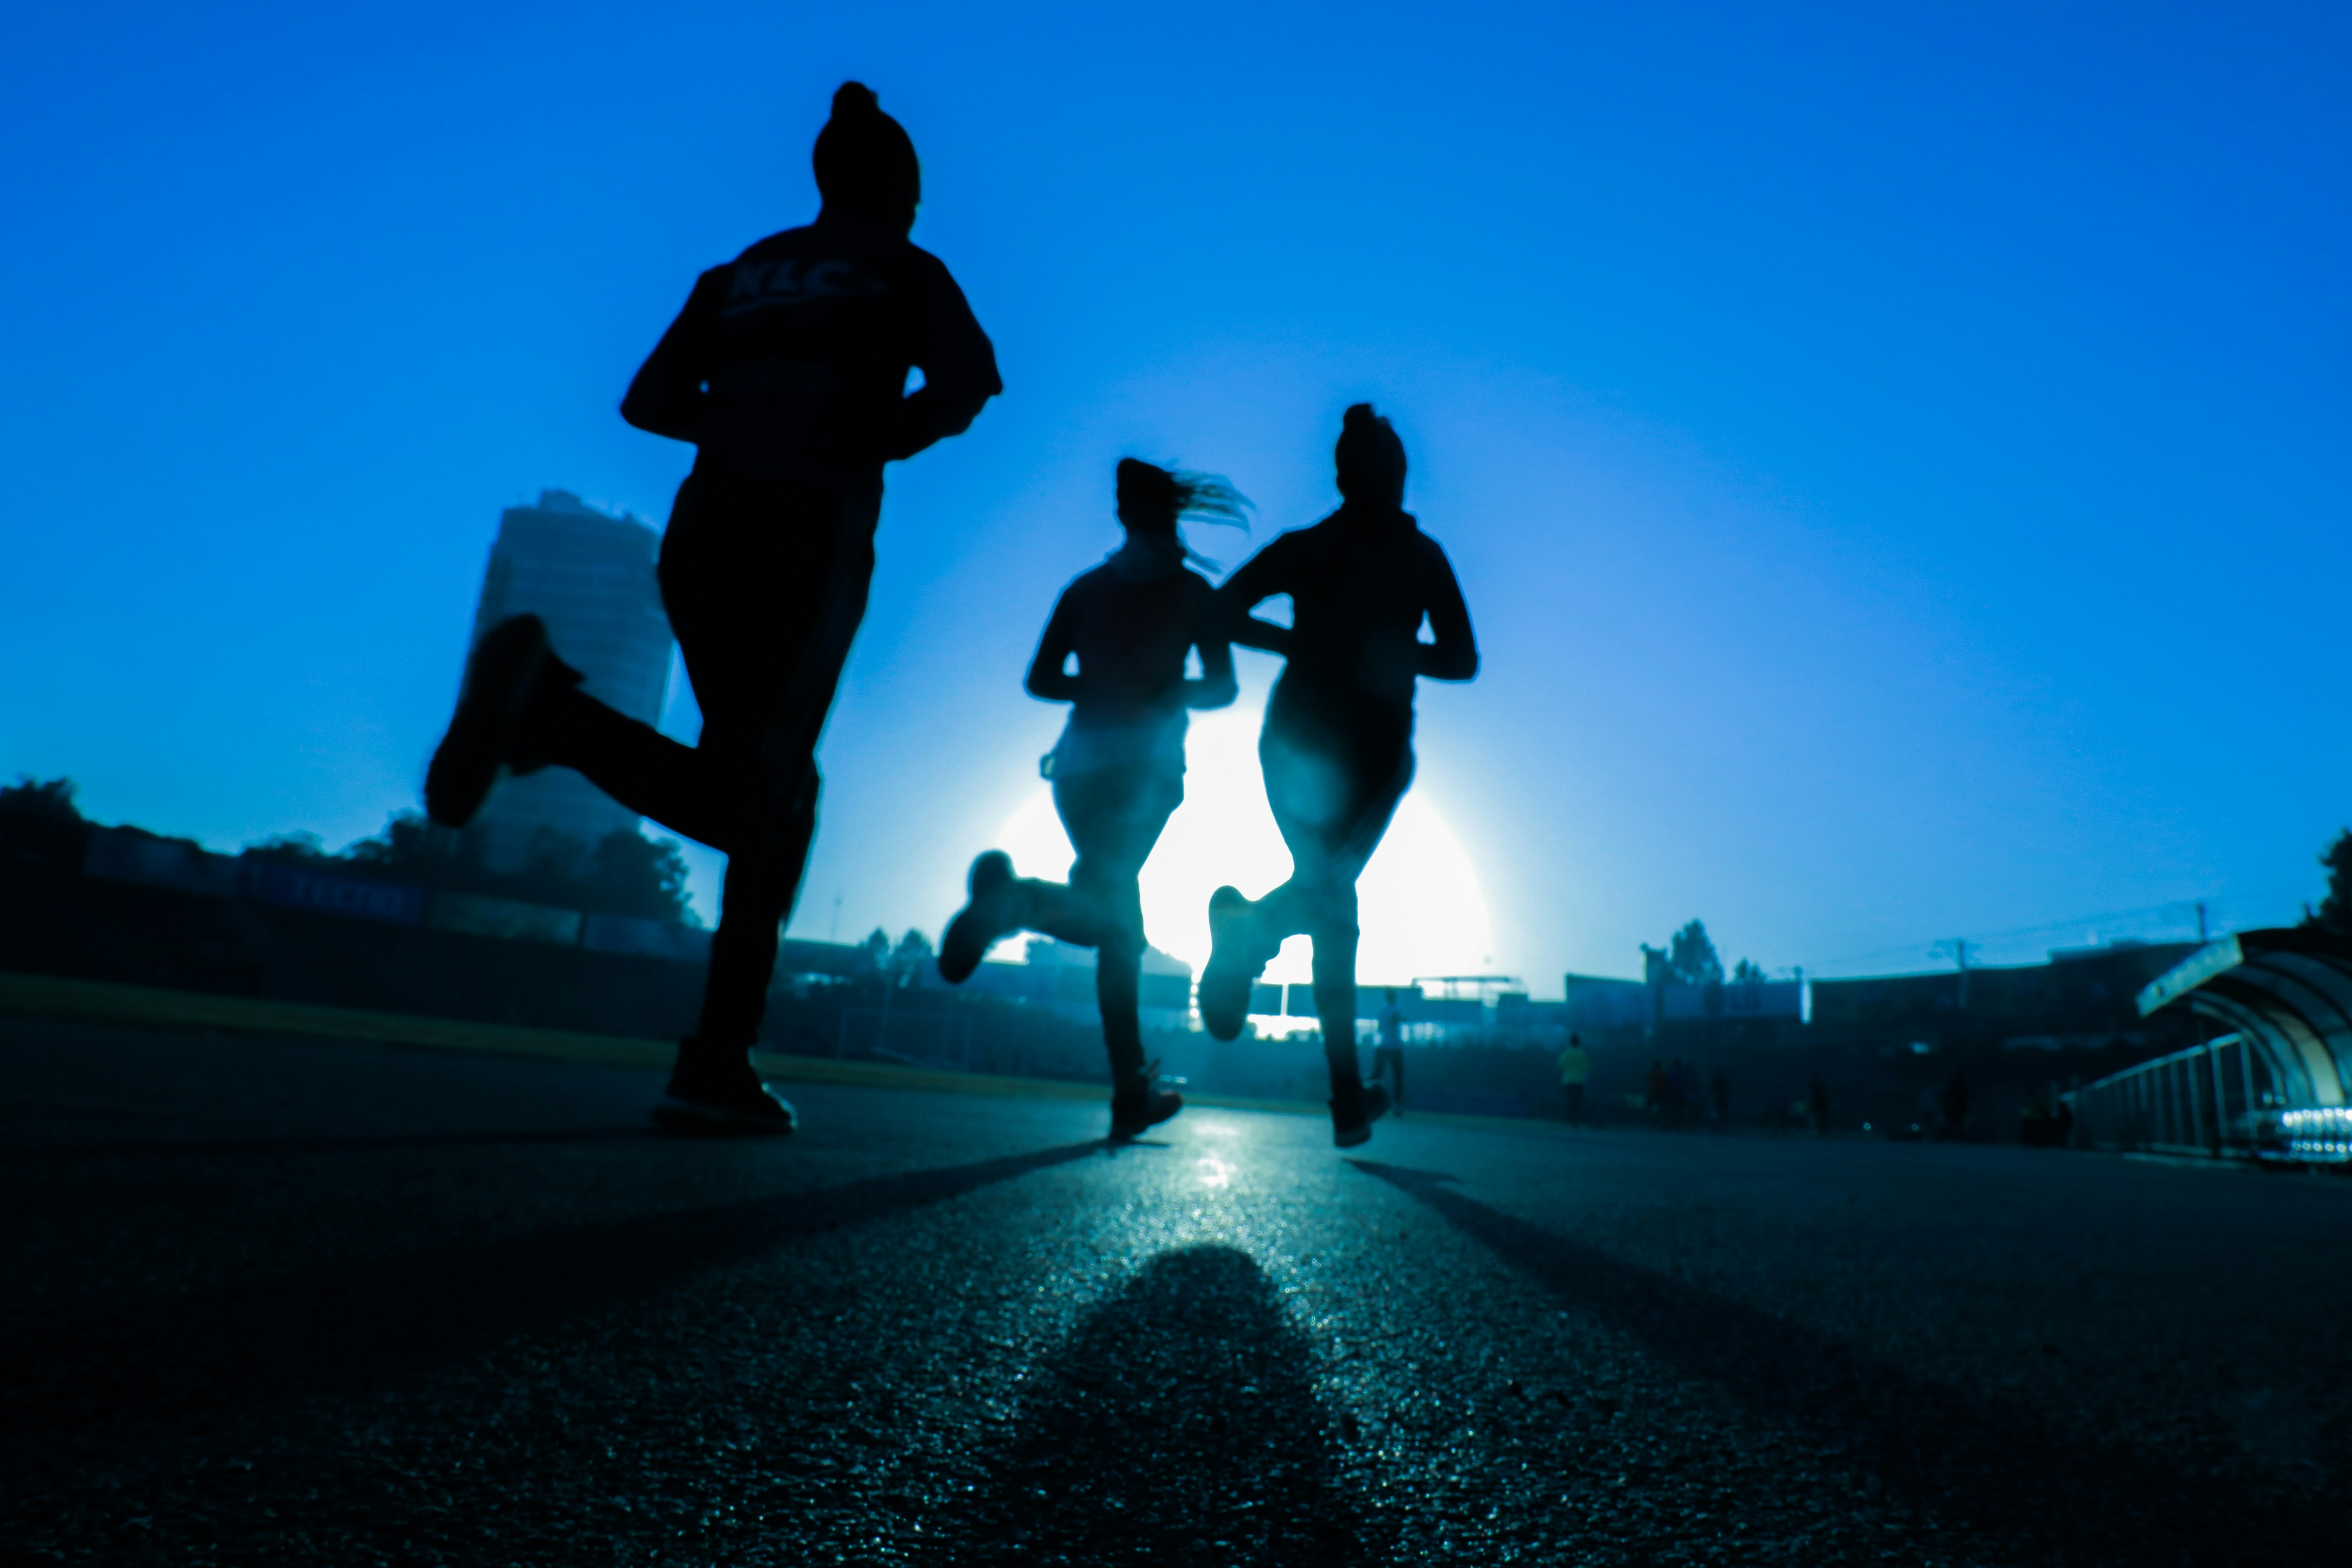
(1575, 1067)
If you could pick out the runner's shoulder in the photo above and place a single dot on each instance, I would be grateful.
(861, 246)
(1423, 546)
(1095, 580)
(835, 238)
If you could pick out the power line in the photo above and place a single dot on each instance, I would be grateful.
(2195, 912)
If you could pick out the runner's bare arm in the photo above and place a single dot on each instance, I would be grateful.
(1455, 654)
(1047, 680)
(1216, 688)
(1256, 580)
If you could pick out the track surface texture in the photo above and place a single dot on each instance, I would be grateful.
(280, 1300)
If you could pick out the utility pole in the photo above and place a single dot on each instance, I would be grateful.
(1958, 947)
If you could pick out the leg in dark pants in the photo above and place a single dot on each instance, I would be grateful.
(765, 581)
(1114, 817)
(1333, 786)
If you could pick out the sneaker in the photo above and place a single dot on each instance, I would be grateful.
(500, 679)
(1141, 1105)
(982, 922)
(720, 1098)
(1352, 1124)
(1237, 958)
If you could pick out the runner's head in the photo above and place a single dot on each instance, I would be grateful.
(1152, 501)
(1372, 458)
(865, 163)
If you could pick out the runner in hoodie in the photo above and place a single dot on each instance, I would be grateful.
(787, 369)
(1336, 747)
(1118, 769)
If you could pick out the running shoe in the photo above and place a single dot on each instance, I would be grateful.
(501, 679)
(981, 923)
(1352, 1124)
(1236, 957)
(1141, 1104)
(722, 1099)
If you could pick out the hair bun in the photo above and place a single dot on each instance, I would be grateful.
(1370, 457)
(865, 163)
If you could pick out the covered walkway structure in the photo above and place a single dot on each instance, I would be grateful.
(2276, 1083)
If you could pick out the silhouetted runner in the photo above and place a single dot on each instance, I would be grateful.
(1118, 770)
(787, 369)
(1575, 1068)
(1337, 748)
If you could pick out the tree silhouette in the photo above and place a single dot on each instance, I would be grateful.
(908, 959)
(2336, 909)
(1748, 971)
(40, 825)
(50, 800)
(1691, 958)
(625, 874)
(634, 875)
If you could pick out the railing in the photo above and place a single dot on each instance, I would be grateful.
(2216, 1099)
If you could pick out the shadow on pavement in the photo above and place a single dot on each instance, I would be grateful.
(1180, 1426)
(352, 1327)
(1992, 1471)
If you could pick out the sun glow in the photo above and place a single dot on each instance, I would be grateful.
(1419, 902)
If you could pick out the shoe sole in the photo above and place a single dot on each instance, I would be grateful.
(498, 678)
(1223, 994)
(674, 1115)
(963, 946)
(1359, 1133)
(968, 938)
(1119, 1131)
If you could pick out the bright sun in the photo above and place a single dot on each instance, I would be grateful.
(1418, 901)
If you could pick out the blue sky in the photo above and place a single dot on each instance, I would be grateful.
(1895, 456)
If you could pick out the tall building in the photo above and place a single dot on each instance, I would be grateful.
(590, 576)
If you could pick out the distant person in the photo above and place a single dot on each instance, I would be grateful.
(787, 370)
(1387, 1056)
(1337, 746)
(1575, 1069)
(1682, 1092)
(1955, 1104)
(1817, 1102)
(1718, 1093)
(1118, 770)
(1658, 1088)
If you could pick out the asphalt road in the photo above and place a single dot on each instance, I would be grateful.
(296, 1302)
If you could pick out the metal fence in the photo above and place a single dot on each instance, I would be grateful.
(2218, 1100)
